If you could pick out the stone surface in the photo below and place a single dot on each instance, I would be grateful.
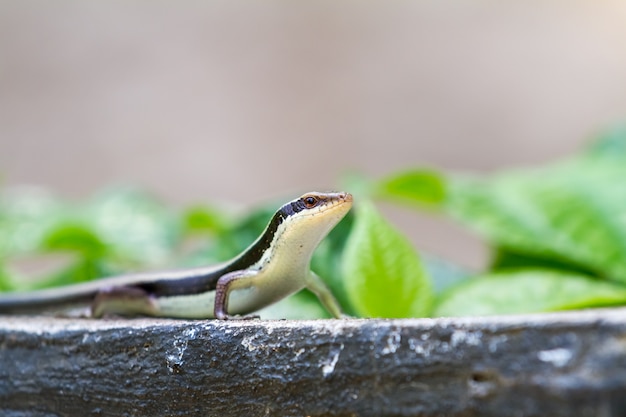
(550, 365)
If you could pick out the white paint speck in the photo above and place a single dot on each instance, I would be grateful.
(495, 342)
(249, 343)
(174, 357)
(422, 348)
(328, 366)
(559, 357)
(191, 332)
(464, 337)
(91, 336)
(299, 352)
(393, 343)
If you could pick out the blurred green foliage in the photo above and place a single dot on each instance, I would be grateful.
(557, 232)
(557, 235)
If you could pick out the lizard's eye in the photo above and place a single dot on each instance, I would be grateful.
(310, 201)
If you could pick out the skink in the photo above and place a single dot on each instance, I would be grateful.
(276, 265)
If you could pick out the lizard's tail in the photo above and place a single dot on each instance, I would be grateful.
(53, 300)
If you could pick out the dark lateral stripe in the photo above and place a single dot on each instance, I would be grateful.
(293, 207)
(208, 282)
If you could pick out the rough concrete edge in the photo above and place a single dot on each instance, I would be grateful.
(51, 325)
(453, 366)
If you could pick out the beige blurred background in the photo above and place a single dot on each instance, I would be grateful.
(243, 101)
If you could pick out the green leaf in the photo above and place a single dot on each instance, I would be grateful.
(5, 280)
(382, 271)
(201, 218)
(419, 187)
(507, 259)
(139, 229)
(528, 291)
(573, 213)
(76, 238)
(27, 214)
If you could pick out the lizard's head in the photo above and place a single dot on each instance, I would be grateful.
(298, 227)
(308, 219)
(322, 209)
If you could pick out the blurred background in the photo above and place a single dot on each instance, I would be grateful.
(246, 101)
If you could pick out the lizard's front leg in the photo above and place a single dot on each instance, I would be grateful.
(227, 283)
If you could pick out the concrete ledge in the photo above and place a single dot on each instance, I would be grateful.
(570, 364)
